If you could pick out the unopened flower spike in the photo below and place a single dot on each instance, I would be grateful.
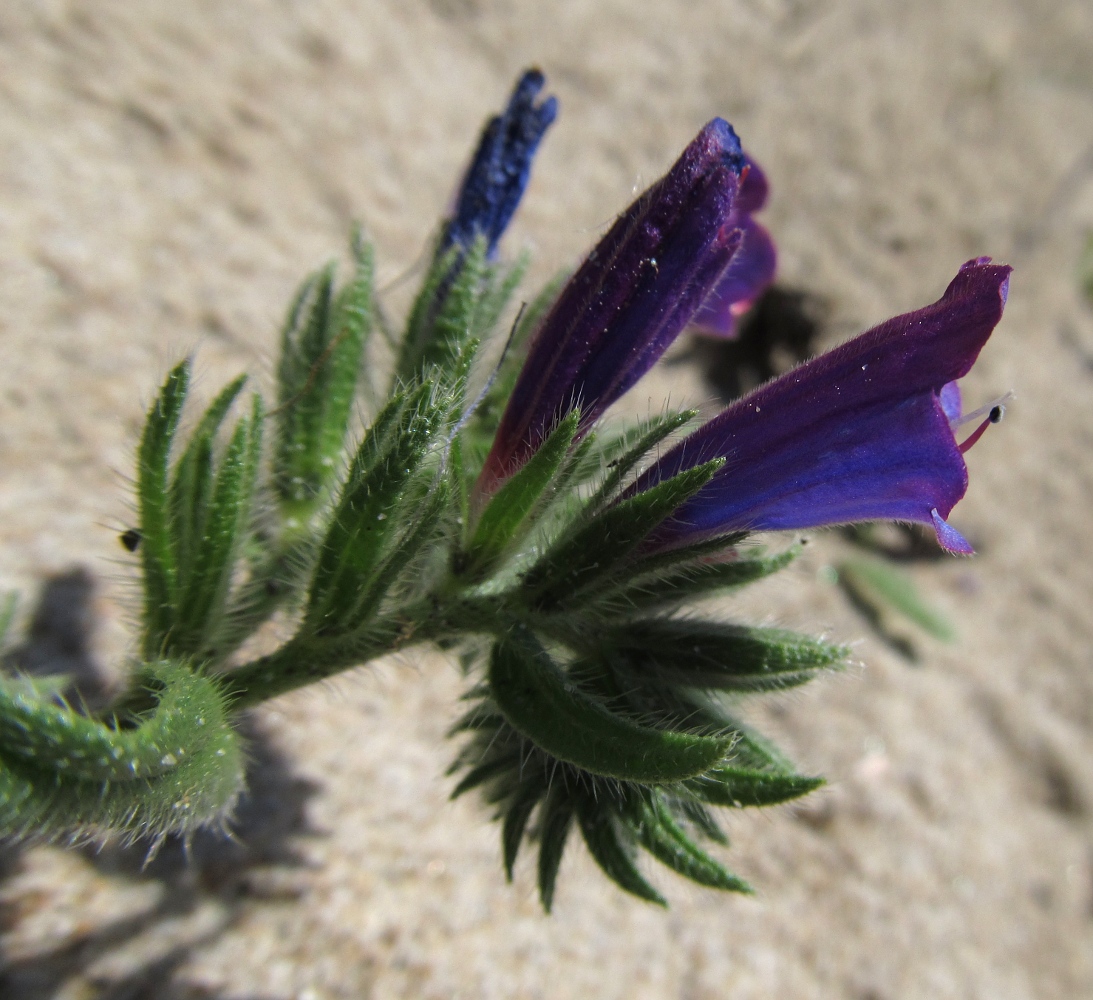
(862, 433)
(632, 296)
(500, 169)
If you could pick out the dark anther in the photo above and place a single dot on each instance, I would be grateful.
(997, 412)
(131, 539)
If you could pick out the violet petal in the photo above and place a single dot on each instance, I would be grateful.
(857, 434)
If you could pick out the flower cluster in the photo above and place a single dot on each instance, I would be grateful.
(557, 558)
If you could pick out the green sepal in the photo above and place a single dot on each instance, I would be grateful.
(717, 655)
(158, 560)
(593, 550)
(879, 584)
(738, 787)
(612, 848)
(555, 819)
(540, 702)
(663, 837)
(631, 447)
(501, 521)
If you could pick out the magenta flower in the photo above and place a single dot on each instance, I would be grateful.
(752, 269)
(632, 296)
(862, 433)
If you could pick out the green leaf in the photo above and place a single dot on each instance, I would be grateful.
(662, 837)
(596, 548)
(420, 325)
(481, 429)
(371, 511)
(191, 481)
(640, 591)
(456, 319)
(352, 325)
(485, 771)
(541, 703)
(321, 350)
(695, 653)
(510, 507)
(876, 582)
(158, 559)
(556, 817)
(604, 838)
(216, 551)
(301, 389)
(699, 817)
(737, 787)
(517, 813)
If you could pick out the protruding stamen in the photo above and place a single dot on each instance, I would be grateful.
(985, 411)
(993, 417)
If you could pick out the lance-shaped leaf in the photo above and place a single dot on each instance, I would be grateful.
(192, 479)
(321, 350)
(663, 837)
(718, 655)
(370, 512)
(555, 820)
(508, 511)
(221, 516)
(640, 591)
(158, 560)
(540, 702)
(612, 846)
(595, 549)
(730, 785)
(525, 797)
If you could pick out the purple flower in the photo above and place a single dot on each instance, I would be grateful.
(751, 270)
(628, 301)
(501, 166)
(865, 432)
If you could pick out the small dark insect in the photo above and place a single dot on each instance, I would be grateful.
(131, 539)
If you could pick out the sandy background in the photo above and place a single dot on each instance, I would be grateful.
(169, 172)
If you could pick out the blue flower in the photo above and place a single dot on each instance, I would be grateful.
(500, 169)
(632, 296)
(863, 433)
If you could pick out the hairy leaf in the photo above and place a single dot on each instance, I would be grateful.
(541, 703)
